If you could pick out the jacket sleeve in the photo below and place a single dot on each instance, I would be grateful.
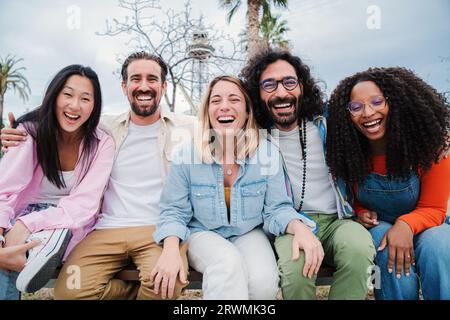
(278, 206)
(175, 204)
(434, 193)
(77, 209)
(17, 168)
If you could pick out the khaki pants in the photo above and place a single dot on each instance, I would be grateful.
(89, 270)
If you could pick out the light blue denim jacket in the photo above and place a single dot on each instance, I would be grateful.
(193, 197)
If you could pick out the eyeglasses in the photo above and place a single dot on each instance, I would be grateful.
(376, 103)
(270, 85)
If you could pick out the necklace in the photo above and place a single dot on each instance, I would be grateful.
(229, 172)
(302, 135)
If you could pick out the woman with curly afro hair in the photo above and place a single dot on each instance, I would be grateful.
(389, 140)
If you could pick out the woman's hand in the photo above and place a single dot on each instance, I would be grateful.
(399, 240)
(168, 268)
(14, 258)
(18, 234)
(305, 240)
(367, 218)
(17, 237)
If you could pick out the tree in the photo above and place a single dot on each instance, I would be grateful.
(254, 7)
(272, 33)
(12, 77)
(182, 42)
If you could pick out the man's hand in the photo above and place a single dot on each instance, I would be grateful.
(368, 219)
(14, 258)
(11, 137)
(168, 268)
(399, 239)
(305, 240)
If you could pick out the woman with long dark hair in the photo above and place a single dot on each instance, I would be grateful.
(51, 185)
(389, 140)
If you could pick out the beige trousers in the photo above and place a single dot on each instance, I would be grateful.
(89, 270)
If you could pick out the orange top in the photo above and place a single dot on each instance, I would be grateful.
(434, 193)
(227, 196)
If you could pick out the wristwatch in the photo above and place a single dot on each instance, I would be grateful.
(2, 241)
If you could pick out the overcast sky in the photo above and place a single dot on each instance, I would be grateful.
(332, 36)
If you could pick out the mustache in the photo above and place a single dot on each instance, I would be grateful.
(278, 100)
(138, 92)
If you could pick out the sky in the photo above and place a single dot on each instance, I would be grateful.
(336, 38)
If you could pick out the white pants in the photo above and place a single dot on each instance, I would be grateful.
(243, 269)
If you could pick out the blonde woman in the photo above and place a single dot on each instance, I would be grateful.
(220, 191)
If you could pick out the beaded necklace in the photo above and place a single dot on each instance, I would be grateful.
(302, 135)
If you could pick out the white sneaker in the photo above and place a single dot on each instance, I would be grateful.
(43, 259)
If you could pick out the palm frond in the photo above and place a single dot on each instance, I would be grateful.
(11, 77)
(21, 90)
(231, 6)
(280, 3)
(233, 10)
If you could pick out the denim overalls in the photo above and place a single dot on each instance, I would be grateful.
(391, 198)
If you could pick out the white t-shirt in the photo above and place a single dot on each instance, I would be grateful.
(49, 193)
(319, 195)
(135, 184)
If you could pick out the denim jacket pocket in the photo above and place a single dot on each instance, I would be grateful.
(252, 199)
(203, 202)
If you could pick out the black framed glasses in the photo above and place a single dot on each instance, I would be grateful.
(270, 85)
(376, 103)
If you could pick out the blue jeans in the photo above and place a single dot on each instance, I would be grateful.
(391, 198)
(432, 269)
(8, 290)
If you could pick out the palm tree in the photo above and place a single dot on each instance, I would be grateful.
(253, 17)
(12, 77)
(272, 33)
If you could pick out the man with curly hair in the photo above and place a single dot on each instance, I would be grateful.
(288, 103)
(390, 143)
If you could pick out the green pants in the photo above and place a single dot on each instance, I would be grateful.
(348, 247)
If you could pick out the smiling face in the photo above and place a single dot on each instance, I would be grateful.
(144, 88)
(282, 103)
(372, 120)
(74, 104)
(227, 107)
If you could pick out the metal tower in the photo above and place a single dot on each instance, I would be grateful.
(200, 50)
